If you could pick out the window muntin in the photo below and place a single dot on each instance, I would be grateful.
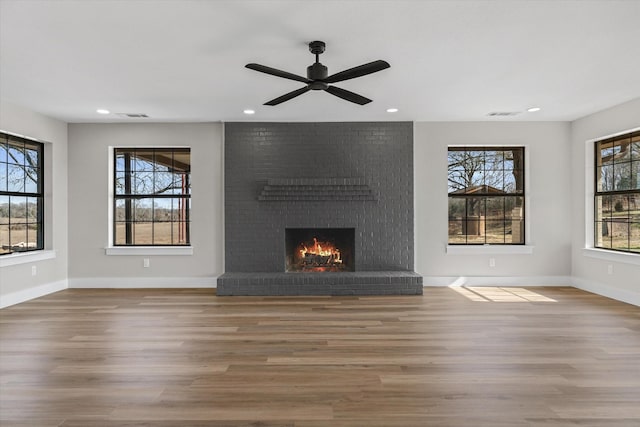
(21, 195)
(617, 193)
(486, 195)
(152, 200)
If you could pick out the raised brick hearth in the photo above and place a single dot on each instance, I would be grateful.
(281, 176)
(357, 283)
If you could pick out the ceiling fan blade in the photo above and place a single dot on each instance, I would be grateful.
(277, 73)
(288, 96)
(362, 70)
(349, 96)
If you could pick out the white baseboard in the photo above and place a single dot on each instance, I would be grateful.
(142, 282)
(31, 293)
(497, 280)
(623, 295)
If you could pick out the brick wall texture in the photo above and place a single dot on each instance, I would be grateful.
(377, 157)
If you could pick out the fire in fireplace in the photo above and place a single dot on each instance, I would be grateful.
(320, 255)
(319, 250)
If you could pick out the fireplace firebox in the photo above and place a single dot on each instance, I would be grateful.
(319, 250)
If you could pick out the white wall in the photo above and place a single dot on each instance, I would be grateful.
(548, 205)
(89, 146)
(17, 283)
(556, 215)
(592, 273)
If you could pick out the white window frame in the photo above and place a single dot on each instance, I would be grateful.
(528, 247)
(47, 175)
(110, 248)
(589, 221)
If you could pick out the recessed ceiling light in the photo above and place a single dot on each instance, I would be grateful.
(533, 109)
(392, 110)
(102, 111)
(249, 112)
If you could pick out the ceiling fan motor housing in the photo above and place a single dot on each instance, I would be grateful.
(315, 73)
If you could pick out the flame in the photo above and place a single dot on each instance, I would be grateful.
(324, 249)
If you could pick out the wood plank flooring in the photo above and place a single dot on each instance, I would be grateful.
(494, 357)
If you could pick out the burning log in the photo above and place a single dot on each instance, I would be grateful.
(320, 254)
(314, 260)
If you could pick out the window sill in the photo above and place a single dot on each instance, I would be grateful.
(149, 250)
(24, 258)
(627, 258)
(489, 250)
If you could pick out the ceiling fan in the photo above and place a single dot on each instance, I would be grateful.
(318, 78)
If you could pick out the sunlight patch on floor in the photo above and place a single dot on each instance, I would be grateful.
(469, 294)
(500, 294)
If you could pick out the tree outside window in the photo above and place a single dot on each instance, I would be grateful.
(486, 195)
(21, 195)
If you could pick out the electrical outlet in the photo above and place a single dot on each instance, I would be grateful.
(34, 270)
(610, 269)
(492, 262)
(145, 262)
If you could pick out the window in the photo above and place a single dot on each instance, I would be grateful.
(21, 195)
(152, 196)
(617, 193)
(486, 195)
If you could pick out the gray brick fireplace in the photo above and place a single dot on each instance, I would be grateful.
(323, 176)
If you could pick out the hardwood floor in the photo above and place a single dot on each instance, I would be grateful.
(467, 357)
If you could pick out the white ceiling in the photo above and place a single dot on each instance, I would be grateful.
(450, 60)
